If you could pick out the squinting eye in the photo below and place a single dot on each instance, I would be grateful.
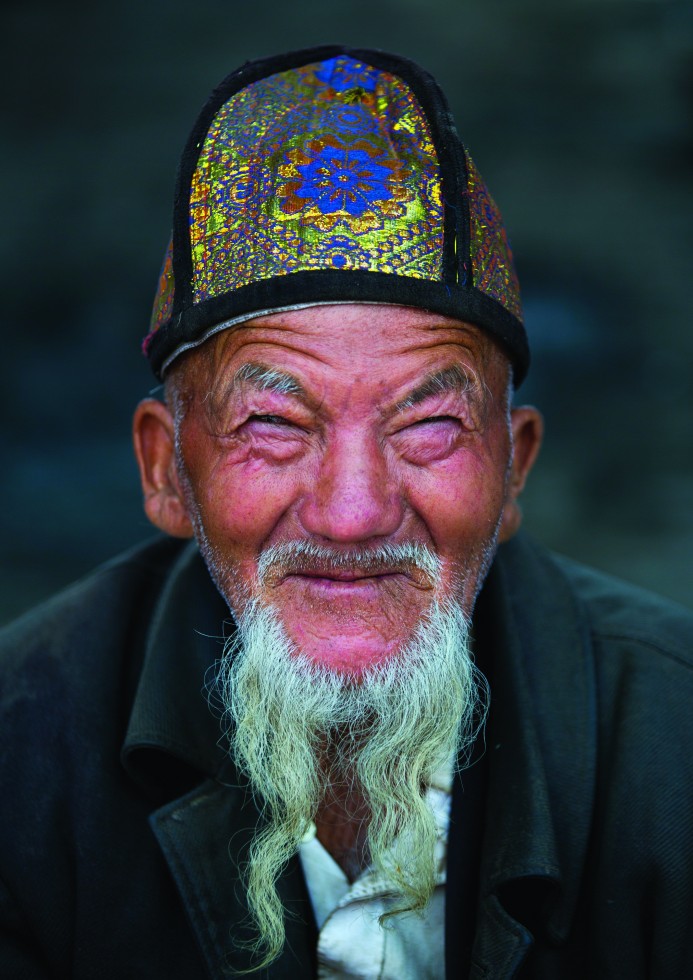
(430, 439)
(436, 418)
(268, 419)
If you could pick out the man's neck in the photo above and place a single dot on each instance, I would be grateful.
(341, 825)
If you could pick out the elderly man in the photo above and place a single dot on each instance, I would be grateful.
(339, 334)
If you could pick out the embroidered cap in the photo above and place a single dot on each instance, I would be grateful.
(331, 175)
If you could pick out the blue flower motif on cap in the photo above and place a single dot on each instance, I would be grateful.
(330, 181)
(341, 74)
(343, 179)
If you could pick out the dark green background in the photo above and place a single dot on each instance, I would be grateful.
(577, 112)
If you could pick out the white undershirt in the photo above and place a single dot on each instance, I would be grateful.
(351, 941)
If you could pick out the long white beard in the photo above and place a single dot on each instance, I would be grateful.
(389, 730)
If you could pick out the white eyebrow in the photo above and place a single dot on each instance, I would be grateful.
(257, 376)
(267, 379)
(453, 378)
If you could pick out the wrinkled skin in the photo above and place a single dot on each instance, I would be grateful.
(352, 461)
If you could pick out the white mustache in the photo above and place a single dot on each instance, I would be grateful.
(306, 558)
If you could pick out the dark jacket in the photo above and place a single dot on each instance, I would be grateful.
(122, 818)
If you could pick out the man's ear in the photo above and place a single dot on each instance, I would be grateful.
(153, 434)
(527, 429)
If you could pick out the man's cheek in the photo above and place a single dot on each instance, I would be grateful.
(460, 508)
(241, 516)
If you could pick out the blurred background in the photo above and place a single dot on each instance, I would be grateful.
(578, 114)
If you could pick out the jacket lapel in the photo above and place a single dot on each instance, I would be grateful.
(174, 749)
(541, 747)
(204, 837)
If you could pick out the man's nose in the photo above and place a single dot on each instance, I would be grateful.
(355, 496)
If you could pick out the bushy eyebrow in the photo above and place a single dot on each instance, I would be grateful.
(264, 378)
(257, 376)
(453, 379)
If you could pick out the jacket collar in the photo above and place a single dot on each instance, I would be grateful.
(170, 717)
(541, 743)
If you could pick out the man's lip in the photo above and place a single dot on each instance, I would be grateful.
(344, 576)
(413, 576)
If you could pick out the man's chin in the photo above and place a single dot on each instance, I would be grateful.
(350, 638)
(346, 646)
(350, 657)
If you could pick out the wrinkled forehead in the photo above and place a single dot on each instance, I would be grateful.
(382, 345)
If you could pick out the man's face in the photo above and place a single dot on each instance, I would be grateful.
(348, 427)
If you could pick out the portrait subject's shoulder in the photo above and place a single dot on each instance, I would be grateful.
(84, 631)
(69, 672)
(550, 591)
(622, 614)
